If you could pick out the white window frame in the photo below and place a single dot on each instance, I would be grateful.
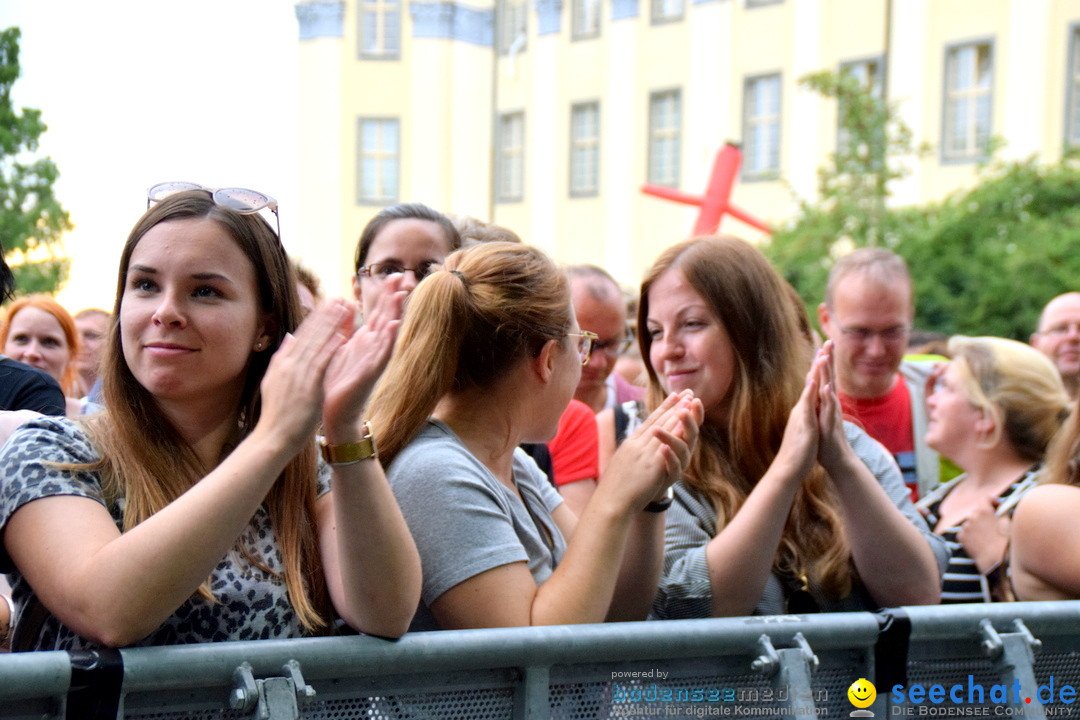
(585, 149)
(510, 160)
(762, 125)
(665, 11)
(871, 74)
(1072, 93)
(967, 103)
(585, 19)
(513, 25)
(665, 137)
(381, 159)
(381, 19)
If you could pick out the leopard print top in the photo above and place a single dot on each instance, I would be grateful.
(251, 604)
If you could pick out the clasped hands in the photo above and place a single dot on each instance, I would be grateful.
(327, 369)
(815, 428)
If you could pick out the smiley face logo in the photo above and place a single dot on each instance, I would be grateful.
(862, 693)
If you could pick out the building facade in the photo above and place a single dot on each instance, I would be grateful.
(547, 116)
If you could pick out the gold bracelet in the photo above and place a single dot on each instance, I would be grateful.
(350, 453)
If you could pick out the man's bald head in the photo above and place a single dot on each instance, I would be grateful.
(1058, 337)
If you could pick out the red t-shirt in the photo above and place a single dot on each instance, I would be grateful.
(575, 453)
(888, 420)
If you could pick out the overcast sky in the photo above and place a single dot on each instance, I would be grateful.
(137, 92)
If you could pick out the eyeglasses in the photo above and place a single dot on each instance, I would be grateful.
(240, 200)
(615, 347)
(383, 270)
(1062, 329)
(586, 341)
(889, 336)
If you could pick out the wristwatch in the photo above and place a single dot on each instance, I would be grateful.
(350, 453)
(658, 506)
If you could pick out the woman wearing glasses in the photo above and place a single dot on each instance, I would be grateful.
(488, 358)
(192, 508)
(784, 508)
(409, 240)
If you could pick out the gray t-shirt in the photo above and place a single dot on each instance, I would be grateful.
(250, 603)
(685, 587)
(465, 521)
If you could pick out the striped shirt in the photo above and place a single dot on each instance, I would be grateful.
(963, 583)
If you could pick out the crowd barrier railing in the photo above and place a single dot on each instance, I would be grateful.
(1002, 660)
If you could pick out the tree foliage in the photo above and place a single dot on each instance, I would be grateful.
(32, 220)
(983, 261)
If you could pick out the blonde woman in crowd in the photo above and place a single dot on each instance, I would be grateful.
(489, 356)
(784, 507)
(993, 410)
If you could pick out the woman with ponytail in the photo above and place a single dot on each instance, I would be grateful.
(784, 507)
(488, 357)
(194, 508)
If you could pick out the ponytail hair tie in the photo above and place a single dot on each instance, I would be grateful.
(460, 277)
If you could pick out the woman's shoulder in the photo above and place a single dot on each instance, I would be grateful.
(435, 442)
(51, 439)
(1044, 503)
(435, 451)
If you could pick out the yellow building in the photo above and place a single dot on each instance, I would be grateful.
(547, 116)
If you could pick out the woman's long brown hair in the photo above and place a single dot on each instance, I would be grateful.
(145, 460)
(772, 358)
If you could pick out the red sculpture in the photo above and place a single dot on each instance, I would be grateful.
(717, 199)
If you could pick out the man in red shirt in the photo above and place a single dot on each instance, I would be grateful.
(867, 313)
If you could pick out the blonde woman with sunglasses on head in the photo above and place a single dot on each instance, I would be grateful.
(193, 508)
(489, 356)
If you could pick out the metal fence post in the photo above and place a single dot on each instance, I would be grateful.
(531, 699)
(790, 671)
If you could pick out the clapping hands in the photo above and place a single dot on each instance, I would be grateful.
(327, 369)
(658, 452)
(815, 429)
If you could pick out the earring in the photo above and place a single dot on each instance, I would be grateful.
(259, 346)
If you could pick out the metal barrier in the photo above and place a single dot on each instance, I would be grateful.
(924, 662)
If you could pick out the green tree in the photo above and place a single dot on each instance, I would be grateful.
(983, 261)
(993, 256)
(853, 187)
(32, 220)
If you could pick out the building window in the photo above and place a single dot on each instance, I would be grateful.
(585, 149)
(513, 25)
(761, 127)
(380, 29)
(586, 19)
(667, 10)
(510, 165)
(377, 183)
(665, 121)
(869, 74)
(1072, 116)
(968, 81)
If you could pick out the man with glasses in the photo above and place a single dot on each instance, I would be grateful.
(867, 313)
(600, 307)
(1058, 338)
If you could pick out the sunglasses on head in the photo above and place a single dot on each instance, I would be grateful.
(240, 200)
